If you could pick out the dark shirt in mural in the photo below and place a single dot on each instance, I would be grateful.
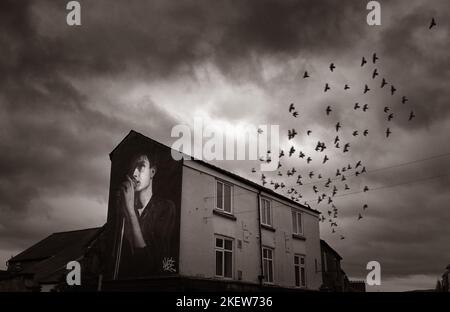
(159, 257)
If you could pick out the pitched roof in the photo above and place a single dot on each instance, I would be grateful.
(223, 171)
(325, 244)
(54, 244)
(54, 252)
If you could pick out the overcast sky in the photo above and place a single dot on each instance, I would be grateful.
(68, 95)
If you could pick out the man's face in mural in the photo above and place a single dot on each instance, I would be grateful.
(142, 172)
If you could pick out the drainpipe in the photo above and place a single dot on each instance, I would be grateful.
(261, 276)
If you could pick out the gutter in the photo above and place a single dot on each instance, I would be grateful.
(261, 276)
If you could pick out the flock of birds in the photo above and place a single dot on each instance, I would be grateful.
(326, 188)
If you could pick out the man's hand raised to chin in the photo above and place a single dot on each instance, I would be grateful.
(128, 196)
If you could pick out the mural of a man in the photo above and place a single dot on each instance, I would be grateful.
(149, 223)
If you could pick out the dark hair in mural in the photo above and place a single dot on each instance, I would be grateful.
(144, 209)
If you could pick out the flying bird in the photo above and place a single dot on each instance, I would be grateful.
(365, 107)
(355, 133)
(291, 107)
(291, 134)
(366, 132)
(338, 125)
(253, 170)
(291, 151)
(327, 87)
(393, 90)
(260, 131)
(391, 115)
(358, 164)
(374, 58)
(366, 188)
(336, 139)
(404, 99)
(433, 23)
(295, 114)
(356, 106)
(301, 155)
(332, 67)
(359, 217)
(325, 159)
(346, 187)
(375, 73)
(365, 207)
(342, 237)
(308, 160)
(383, 83)
(346, 87)
(308, 132)
(388, 132)
(366, 89)
(346, 146)
(363, 61)
(411, 116)
(329, 110)
(386, 109)
(305, 75)
(311, 174)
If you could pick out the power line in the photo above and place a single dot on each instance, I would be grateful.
(368, 171)
(380, 169)
(393, 185)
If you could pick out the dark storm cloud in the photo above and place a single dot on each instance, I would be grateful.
(56, 134)
(147, 38)
(159, 37)
(417, 63)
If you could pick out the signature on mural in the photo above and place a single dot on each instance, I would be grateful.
(168, 264)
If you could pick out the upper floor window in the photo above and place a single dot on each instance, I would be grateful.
(266, 212)
(297, 222)
(224, 193)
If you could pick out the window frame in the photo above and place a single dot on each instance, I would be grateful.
(223, 183)
(266, 277)
(297, 213)
(263, 212)
(223, 251)
(299, 266)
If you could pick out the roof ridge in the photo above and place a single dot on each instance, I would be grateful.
(71, 231)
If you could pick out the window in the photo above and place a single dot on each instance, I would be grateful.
(266, 213)
(297, 222)
(223, 196)
(300, 271)
(268, 264)
(224, 257)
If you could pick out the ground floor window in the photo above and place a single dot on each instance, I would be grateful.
(268, 264)
(300, 271)
(224, 257)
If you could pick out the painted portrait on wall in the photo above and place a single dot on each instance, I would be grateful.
(144, 209)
